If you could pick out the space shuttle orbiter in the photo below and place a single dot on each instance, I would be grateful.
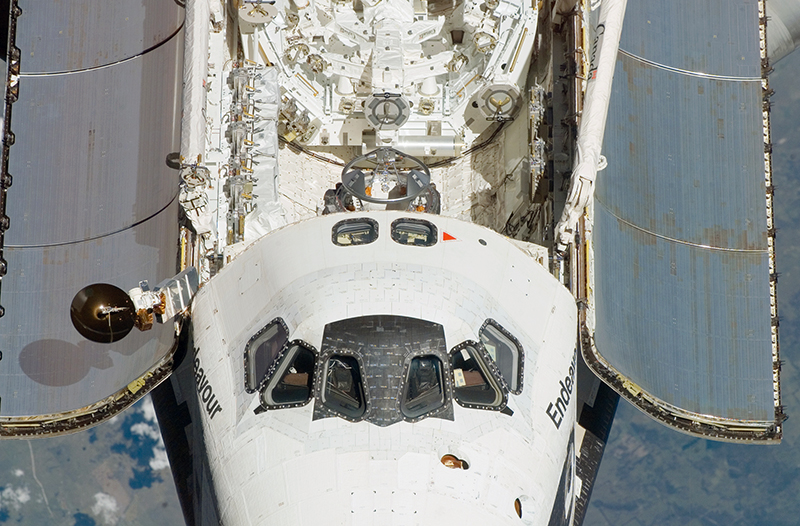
(397, 243)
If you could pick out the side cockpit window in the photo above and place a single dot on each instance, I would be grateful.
(292, 382)
(352, 232)
(424, 388)
(343, 391)
(506, 351)
(261, 352)
(474, 385)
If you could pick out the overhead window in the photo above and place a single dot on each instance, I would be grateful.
(292, 382)
(415, 232)
(261, 351)
(506, 352)
(473, 383)
(424, 390)
(351, 232)
(344, 390)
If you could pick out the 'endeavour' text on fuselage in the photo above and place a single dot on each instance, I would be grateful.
(205, 391)
(557, 409)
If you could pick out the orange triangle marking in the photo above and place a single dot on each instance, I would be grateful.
(447, 237)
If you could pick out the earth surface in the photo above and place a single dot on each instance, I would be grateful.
(114, 474)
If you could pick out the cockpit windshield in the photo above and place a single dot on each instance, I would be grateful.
(344, 390)
(293, 380)
(424, 392)
(506, 352)
(261, 351)
(384, 369)
(474, 384)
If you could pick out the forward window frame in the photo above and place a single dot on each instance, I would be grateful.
(407, 385)
(282, 369)
(516, 383)
(252, 384)
(361, 386)
(487, 370)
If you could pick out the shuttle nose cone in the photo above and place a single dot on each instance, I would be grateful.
(102, 313)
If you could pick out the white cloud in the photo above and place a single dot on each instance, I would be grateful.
(105, 508)
(159, 460)
(18, 472)
(146, 430)
(147, 410)
(14, 498)
(149, 428)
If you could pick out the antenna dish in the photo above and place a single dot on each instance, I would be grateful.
(102, 313)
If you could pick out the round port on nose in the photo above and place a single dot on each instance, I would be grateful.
(453, 462)
(524, 507)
